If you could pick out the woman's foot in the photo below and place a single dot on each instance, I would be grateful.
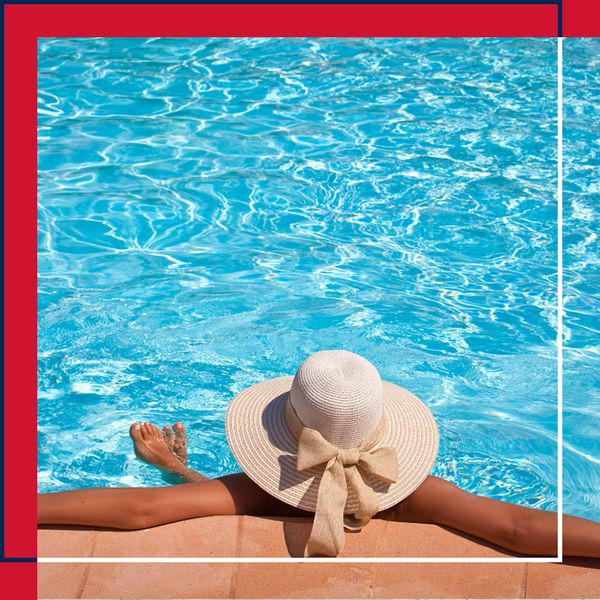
(176, 440)
(150, 445)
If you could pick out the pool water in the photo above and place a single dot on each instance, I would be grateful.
(212, 211)
(581, 276)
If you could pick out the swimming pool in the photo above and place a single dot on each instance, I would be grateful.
(581, 275)
(211, 211)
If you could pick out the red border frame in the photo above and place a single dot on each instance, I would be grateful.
(286, 20)
(581, 18)
(25, 23)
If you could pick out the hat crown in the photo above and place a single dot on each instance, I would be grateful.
(340, 394)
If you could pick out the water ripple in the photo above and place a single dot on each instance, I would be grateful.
(213, 210)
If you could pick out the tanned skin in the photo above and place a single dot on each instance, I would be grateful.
(515, 528)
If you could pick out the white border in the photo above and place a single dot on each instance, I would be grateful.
(245, 559)
(559, 345)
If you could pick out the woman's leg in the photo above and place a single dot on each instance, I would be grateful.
(517, 528)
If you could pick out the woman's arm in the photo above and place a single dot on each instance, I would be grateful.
(520, 529)
(139, 508)
(517, 528)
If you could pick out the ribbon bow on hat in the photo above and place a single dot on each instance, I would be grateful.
(343, 467)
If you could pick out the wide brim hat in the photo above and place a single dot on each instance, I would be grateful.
(265, 446)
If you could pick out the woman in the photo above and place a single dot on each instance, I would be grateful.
(332, 442)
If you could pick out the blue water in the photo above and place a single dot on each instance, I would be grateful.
(211, 211)
(582, 275)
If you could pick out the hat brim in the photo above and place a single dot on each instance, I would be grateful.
(265, 448)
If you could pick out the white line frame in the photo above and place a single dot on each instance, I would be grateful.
(559, 346)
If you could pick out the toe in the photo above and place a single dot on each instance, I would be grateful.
(146, 431)
(168, 434)
(180, 442)
(179, 430)
(155, 432)
(135, 431)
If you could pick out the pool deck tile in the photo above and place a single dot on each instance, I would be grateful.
(448, 580)
(577, 579)
(158, 580)
(260, 537)
(425, 540)
(66, 542)
(61, 580)
(272, 537)
(196, 537)
(286, 580)
(265, 537)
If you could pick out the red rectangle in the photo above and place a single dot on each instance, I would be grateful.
(290, 20)
(581, 18)
(20, 291)
(25, 23)
(18, 580)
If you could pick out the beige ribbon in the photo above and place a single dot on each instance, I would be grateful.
(342, 467)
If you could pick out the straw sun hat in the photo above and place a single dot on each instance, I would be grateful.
(335, 440)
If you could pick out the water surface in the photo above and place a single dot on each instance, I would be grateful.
(212, 211)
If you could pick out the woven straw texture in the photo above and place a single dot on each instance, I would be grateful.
(339, 394)
(265, 448)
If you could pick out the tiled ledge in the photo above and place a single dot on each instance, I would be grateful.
(253, 537)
